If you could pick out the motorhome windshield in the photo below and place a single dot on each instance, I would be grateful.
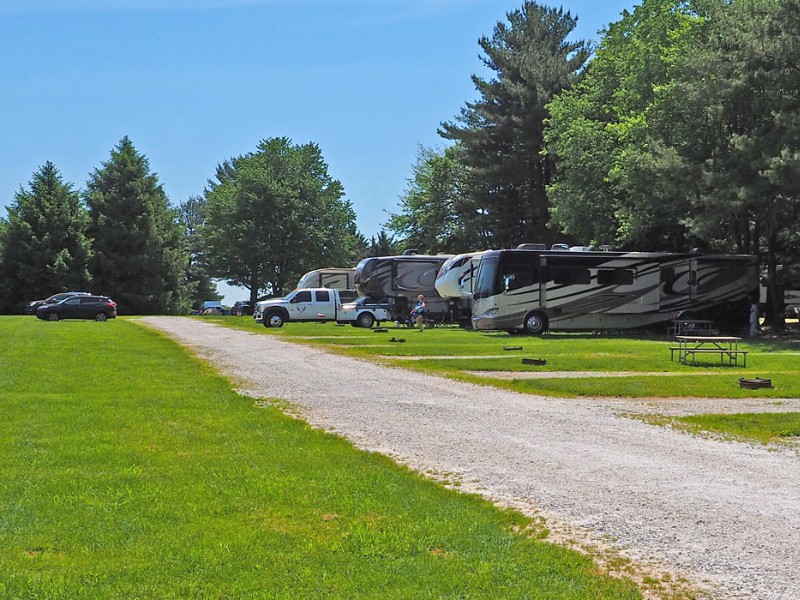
(486, 277)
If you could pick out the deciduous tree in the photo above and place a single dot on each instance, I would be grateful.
(274, 214)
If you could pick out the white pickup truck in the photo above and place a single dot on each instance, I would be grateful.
(321, 304)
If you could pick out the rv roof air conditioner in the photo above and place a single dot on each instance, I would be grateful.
(532, 247)
(410, 251)
(559, 247)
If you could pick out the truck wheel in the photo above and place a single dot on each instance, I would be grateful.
(273, 319)
(535, 323)
(366, 320)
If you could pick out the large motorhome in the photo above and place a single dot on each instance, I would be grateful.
(337, 278)
(400, 279)
(533, 291)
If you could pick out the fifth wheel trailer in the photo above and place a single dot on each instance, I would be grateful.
(398, 280)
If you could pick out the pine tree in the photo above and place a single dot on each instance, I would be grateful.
(139, 259)
(502, 132)
(44, 249)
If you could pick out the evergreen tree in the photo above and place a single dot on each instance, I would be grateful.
(139, 259)
(45, 249)
(274, 214)
(502, 132)
(383, 245)
(199, 284)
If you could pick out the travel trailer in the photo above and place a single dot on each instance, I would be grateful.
(400, 279)
(338, 278)
(538, 290)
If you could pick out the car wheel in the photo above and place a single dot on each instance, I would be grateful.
(273, 319)
(52, 316)
(535, 323)
(101, 316)
(366, 320)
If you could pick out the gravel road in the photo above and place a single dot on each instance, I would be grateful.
(723, 515)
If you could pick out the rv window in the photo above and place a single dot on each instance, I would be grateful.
(323, 296)
(301, 297)
(667, 274)
(572, 276)
(615, 277)
(515, 275)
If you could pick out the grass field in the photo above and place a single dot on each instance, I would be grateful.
(472, 351)
(128, 469)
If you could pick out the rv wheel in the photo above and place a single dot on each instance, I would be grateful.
(535, 323)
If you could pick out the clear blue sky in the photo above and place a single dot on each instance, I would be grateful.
(195, 82)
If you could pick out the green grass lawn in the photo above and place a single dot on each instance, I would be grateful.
(487, 351)
(128, 469)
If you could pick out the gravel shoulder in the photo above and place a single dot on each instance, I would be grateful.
(724, 515)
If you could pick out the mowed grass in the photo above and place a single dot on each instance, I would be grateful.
(128, 469)
(765, 428)
(471, 351)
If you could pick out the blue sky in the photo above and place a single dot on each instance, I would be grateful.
(195, 82)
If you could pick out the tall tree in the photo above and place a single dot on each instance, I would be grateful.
(139, 258)
(502, 132)
(617, 180)
(274, 214)
(45, 249)
(200, 286)
(740, 85)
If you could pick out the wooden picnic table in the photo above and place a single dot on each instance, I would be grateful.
(726, 347)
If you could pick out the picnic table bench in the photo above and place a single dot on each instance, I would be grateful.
(726, 347)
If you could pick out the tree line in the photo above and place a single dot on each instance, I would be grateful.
(679, 129)
(264, 219)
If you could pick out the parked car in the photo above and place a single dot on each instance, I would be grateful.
(99, 308)
(212, 307)
(241, 307)
(32, 306)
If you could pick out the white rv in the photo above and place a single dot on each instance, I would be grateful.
(337, 278)
(456, 277)
(533, 291)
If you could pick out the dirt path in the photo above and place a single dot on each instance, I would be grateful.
(725, 515)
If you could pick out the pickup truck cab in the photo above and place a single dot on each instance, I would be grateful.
(314, 304)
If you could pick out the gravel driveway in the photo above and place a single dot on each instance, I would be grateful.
(724, 515)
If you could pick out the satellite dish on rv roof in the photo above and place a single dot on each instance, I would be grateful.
(532, 247)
